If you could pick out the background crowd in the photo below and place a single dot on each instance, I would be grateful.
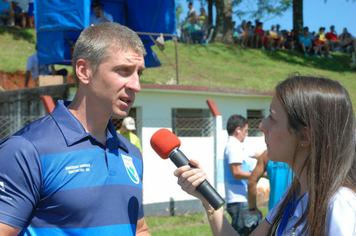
(318, 43)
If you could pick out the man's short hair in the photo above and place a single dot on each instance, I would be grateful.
(234, 122)
(96, 43)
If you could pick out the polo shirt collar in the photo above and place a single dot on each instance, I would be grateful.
(73, 131)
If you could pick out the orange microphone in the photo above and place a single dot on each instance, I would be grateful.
(166, 145)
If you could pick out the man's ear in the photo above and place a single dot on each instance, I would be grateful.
(305, 137)
(83, 71)
(238, 130)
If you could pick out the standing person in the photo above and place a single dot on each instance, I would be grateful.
(99, 16)
(6, 13)
(192, 16)
(279, 175)
(35, 69)
(203, 22)
(69, 173)
(127, 126)
(311, 127)
(238, 166)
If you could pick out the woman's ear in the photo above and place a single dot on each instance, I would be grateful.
(83, 71)
(305, 137)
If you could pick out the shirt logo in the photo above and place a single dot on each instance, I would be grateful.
(78, 168)
(130, 169)
(2, 186)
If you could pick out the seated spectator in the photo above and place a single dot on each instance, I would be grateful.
(240, 31)
(6, 13)
(347, 41)
(247, 39)
(19, 19)
(321, 34)
(99, 16)
(306, 44)
(260, 36)
(281, 38)
(333, 39)
(273, 38)
(191, 32)
(32, 67)
(290, 40)
(322, 45)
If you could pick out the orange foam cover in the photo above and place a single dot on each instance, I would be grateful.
(163, 142)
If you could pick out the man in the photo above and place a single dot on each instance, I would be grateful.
(127, 126)
(238, 166)
(69, 173)
(306, 44)
(99, 15)
(19, 19)
(333, 39)
(6, 13)
(192, 14)
(279, 175)
(35, 69)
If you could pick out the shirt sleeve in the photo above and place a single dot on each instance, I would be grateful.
(235, 154)
(20, 181)
(29, 65)
(341, 215)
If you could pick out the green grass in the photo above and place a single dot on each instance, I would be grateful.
(215, 65)
(183, 225)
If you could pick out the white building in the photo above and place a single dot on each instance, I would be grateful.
(166, 106)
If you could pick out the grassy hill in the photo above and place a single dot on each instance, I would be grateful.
(215, 65)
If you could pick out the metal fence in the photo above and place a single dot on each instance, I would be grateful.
(10, 125)
(182, 127)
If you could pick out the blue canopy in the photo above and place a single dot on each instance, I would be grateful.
(60, 22)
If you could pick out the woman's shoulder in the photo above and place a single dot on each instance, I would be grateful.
(341, 215)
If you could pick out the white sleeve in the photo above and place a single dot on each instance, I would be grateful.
(235, 155)
(341, 215)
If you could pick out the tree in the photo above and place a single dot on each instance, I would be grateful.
(224, 28)
(298, 17)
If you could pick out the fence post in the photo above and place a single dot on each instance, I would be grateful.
(217, 136)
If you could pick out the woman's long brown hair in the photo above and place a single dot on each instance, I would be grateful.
(324, 106)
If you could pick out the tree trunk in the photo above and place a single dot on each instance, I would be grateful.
(210, 12)
(298, 18)
(224, 28)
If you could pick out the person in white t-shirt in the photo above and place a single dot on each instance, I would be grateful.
(238, 165)
(311, 127)
(99, 16)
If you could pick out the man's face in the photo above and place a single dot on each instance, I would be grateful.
(116, 82)
(96, 10)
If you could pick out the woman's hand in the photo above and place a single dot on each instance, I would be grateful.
(189, 178)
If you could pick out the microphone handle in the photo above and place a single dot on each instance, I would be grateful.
(205, 188)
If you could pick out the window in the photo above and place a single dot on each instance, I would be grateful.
(192, 122)
(254, 118)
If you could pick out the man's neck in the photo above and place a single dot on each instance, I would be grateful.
(92, 120)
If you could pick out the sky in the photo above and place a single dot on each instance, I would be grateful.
(316, 13)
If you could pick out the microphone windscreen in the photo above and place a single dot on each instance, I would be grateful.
(163, 142)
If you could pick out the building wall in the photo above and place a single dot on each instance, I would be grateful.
(159, 183)
(154, 109)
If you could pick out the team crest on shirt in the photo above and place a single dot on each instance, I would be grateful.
(130, 169)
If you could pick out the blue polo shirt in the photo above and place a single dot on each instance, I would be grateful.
(57, 179)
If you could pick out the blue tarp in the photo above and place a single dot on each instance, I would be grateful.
(59, 23)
